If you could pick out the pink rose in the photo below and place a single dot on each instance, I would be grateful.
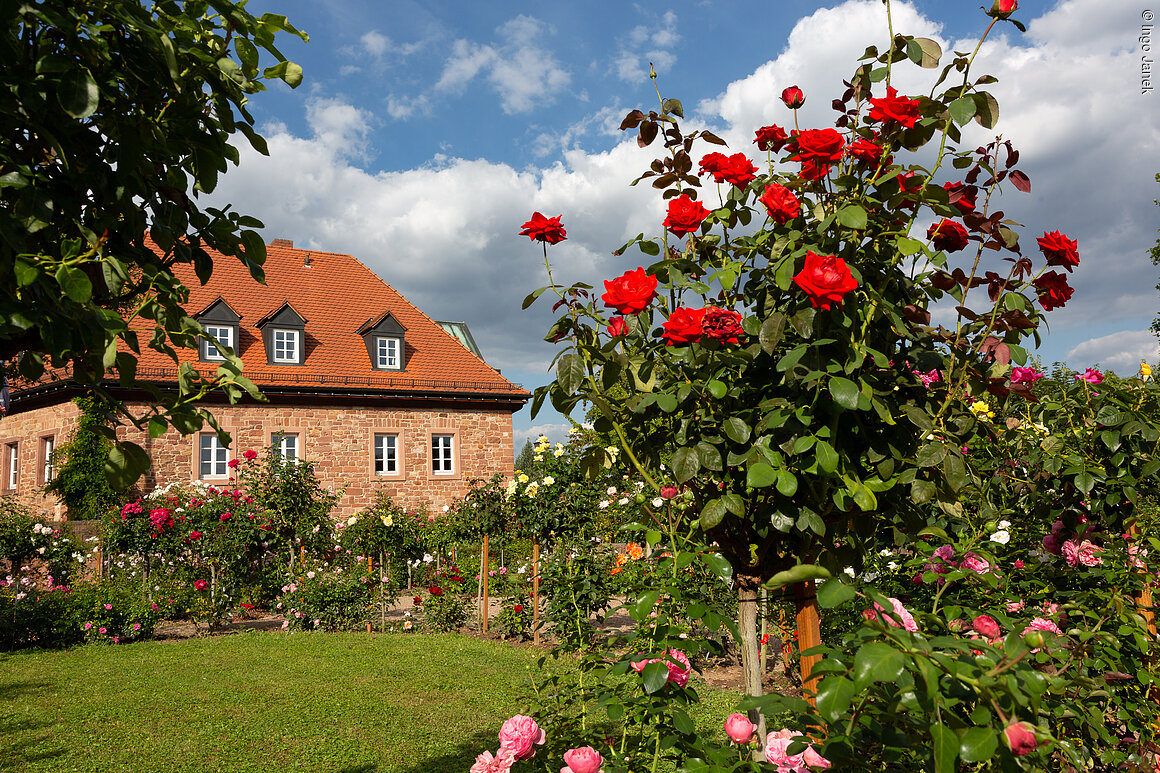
(1025, 375)
(986, 626)
(1016, 606)
(739, 728)
(1041, 624)
(584, 759)
(776, 744)
(677, 675)
(899, 617)
(975, 563)
(519, 735)
(1090, 375)
(1021, 738)
(486, 763)
(200, 584)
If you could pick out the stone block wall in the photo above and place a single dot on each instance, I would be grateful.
(27, 432)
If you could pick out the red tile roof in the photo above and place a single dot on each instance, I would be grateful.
(337, 295)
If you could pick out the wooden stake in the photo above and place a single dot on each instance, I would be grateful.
(809, 634)
(483, 564)
(764, 630)
(535, 590)
(1144, 600)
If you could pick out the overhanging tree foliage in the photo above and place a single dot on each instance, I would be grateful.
(114, 117)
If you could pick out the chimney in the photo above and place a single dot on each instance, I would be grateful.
(306, 263)
(287, 243)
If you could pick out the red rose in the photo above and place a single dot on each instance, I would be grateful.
(1001, 9)
(947, 235)
(1059, 250)
(685, 215)
(738, 170)
(863, 149)
(417, 600)
(225, 517)
(518, 608)
(711, 164)
(901, 110)
(986, 627)
(435, 590)
(683, 326)
(1053, 290)
(234, 463)
(909, 181)
(250, 455)
(617, 327)
(771, 138)
(825, 279)
(722, 325)
(200, 584)
(781, 203)
(1020, 736)
(961, 196)
(793, 97)
(194, 536)
(817, 149)
(631, 292)
(544, 229)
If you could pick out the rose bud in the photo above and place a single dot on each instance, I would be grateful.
(1033, 639)
(1001, 9)
(1021, 738)
(668, 492)
(739, 728)
(793, 97)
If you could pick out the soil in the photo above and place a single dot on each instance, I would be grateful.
(723, 673)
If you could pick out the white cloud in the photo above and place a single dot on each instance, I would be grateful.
(523, 74)
(1121, 352)
(646, 44)
(556, 433)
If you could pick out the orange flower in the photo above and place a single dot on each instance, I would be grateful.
(617, 570)
(621, 558)
(634, 551)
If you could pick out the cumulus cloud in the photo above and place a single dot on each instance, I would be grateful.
(1121, 352)
(647, 44)
(556, 433)
(523, 74)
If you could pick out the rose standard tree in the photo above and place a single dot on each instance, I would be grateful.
(781, 347)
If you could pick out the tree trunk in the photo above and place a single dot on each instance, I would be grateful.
(747, 595)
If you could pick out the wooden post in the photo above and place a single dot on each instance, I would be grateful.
(764, 640)
(1144, 600)
(809, 634)
(535, 590)
(483, 564)
(370, 577)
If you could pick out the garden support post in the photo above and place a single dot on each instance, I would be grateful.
(764, 629)
(809, 634)
(1144, 600)
(535, 590)
(483, 569)
(747, 598)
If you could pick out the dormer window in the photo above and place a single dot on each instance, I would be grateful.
(387, 353)
(284, 336)
(386, 342)
(217, 335)
(221, 328)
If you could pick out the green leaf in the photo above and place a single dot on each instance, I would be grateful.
(946, 748)
(852, 216)
(759, 475)
(717, 388)
(656, 676)
(803, 322)
(826, 455)
(962, 110)
(978, 744)
(26, 272)
(74, 283)
(931, 455)
(736, 430)
(924, 52)
(834, 696)
(845, 392)
(126, 463)
(718, 565)
(986, 110)
(641, 608)
(795, 574)
(686, 463)
(733, 503)
(787, 483)
(78, 94)
(1085, 482)
(681, 721)
(712, 513)
(907, 246)
(570, 372)
(532, 296)
(877, 662)
(833, 593)
(771, 332)
(288, 72)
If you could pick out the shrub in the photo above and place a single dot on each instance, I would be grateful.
(326, 600)
(515, 619)
(443, 610)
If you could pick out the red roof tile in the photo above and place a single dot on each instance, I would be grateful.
(337, 295)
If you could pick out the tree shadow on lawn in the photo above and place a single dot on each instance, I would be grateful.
(23, 740)
(456, 760)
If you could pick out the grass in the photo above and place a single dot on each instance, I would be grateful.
(340, 703)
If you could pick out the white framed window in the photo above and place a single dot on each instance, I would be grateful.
(224, 335)
(442, 456)
(387, 353)
(286, 346)
(13, 453)
(386, 454)
(213, 457)
(48, 447)
(285, 445)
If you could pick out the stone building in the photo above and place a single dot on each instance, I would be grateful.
(360, 382)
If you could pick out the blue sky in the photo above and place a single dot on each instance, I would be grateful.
(423, 135)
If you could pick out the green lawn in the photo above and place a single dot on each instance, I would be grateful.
(339, 703)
